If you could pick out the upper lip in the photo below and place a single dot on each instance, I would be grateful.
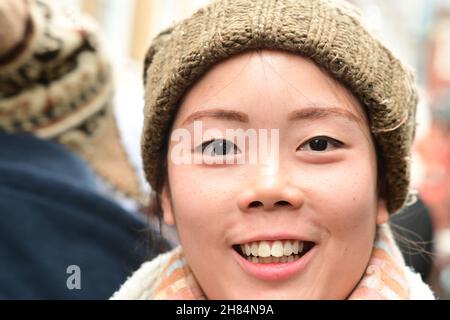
(273, 237)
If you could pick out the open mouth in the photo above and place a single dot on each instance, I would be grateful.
(279, 251)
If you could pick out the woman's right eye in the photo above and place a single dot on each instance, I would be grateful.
(218, 147)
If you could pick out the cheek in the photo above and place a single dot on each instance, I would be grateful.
(342, 199)
(204, 211)
(202, 207)
(344, 193)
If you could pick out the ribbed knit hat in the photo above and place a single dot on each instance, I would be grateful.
(56, 83)
(330, 33)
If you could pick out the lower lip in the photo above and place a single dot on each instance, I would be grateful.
(275, 271)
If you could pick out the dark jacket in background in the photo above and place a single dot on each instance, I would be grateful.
(52, 217)
(413, 230)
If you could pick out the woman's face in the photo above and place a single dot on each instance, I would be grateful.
(318, 190)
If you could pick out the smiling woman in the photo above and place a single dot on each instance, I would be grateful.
(308, 220)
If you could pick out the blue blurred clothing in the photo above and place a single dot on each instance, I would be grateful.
(53, 217)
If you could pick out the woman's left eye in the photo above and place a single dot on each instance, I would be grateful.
(320, 144)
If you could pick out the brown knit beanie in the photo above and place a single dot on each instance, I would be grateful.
(328, 32)
(56, 82)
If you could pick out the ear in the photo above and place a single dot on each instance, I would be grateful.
(382, 212)
(166, 205)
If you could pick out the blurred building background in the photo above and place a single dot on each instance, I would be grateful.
(418, 31)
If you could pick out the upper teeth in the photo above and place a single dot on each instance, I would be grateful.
(272, 248)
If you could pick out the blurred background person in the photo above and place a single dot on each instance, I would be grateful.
(69, 195)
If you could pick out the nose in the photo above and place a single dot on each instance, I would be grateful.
(270, 192)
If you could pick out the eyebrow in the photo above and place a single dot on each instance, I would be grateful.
(314, 113)
(309, 113)
(229, 115)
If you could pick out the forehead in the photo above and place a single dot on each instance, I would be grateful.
(268, 82)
